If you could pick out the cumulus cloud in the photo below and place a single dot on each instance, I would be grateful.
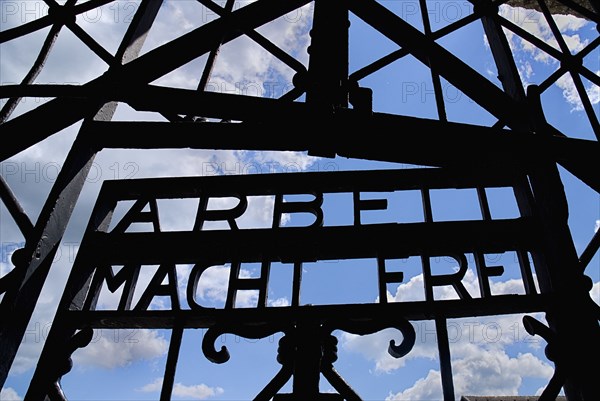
(479, 347)
(111, 349)
(279, 302)
(597, 227)
(9, 394)
(487, 332)
(492, 373)
(196, 392)
(213, 284)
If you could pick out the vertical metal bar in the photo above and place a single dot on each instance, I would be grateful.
(171, 365)
(307, 363)
(426, 200)
(484, 283)
(234, 273)
(484, 205)
(381, 280)
(263, 291)
(296, 283)
(508, 74)
(435, 77)
(445, 360)
(327, 86)
(579, 333)
(212, 56)
(425, 260)
(526, 272)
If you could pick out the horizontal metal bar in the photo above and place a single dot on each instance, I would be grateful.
(416, 310)
(422, 141)
(305, 244)
(305, 183)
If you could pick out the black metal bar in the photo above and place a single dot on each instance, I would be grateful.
(590, 250)
(305, 183)
(352, 242)
(561, 275)
(414, 310)
(14, 208)
(526, 272)
(530, 38)
(552, 78)
(507, 69)
(435, 77)
(327, 80)
(297, 283)
(171, 366)
(91, 43)
(212, 55)
(445, 360)
(587, 104)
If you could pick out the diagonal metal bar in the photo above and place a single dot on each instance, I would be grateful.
(58, 114)
(46, 20)
(92, 44)
(511, 26)
(568, 59)
(590, 250)
(552, 78)
(212, 55)
(15, 209)
(435, 76)
(581, 10)
(261, 41)
(42, 245)
(478, 88)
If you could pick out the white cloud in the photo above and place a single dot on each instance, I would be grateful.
(491, 373)
(197, 392)
(213, 284)
(9, 394)
(111, 349)
(279, 302)
(597, 227)
(595, 292)
(152, 387)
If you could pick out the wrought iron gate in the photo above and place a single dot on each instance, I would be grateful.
(521, 151)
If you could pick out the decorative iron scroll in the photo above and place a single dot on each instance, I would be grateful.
(307, 349)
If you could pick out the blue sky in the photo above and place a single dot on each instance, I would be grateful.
(491, 355)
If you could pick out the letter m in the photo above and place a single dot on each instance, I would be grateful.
(126, 277)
